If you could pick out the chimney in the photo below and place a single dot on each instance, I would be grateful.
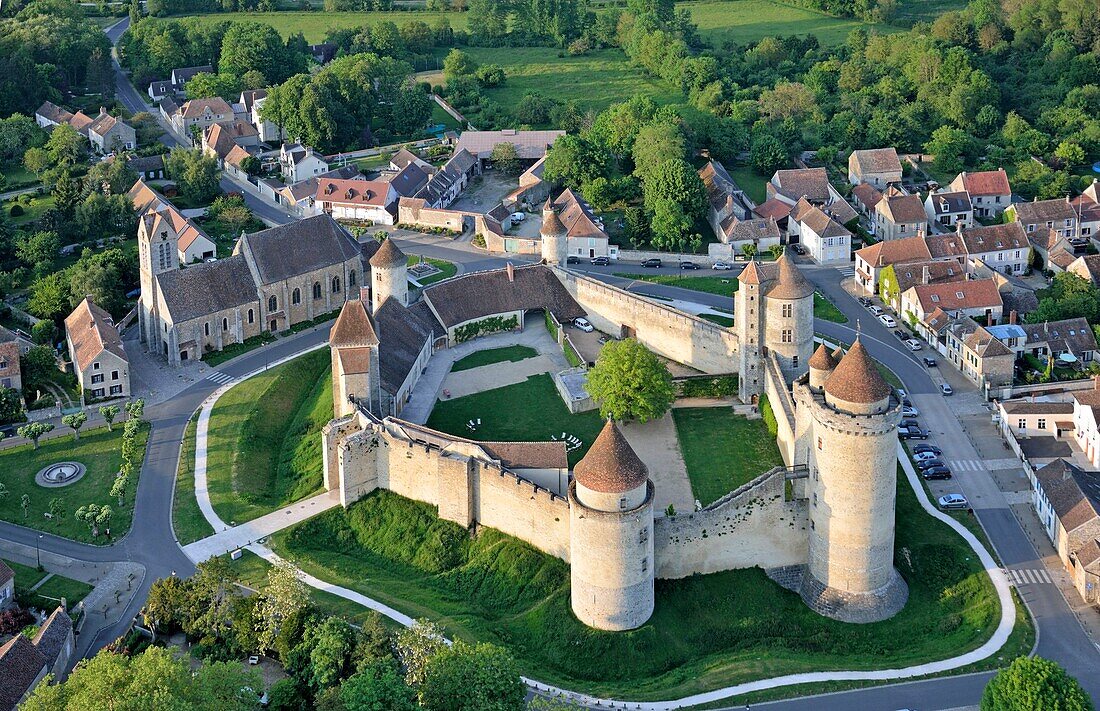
(1096, 382)
(926, 276)
(511, 272)
(1012, 317)
(364, 294)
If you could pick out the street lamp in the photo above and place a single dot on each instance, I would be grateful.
(38, 550)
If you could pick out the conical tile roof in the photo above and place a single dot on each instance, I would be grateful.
(822, 359)
(791, 283)
(388, 255)
(551, 223)
(856, 378)
(751, 274)
(611, 466)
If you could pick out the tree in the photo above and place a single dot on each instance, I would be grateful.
(57, 508)
(39, 250)
(669, 225)
(950, 146)
(630, 383)
(50, 296)
(416, 646)
(135, 408)
(1069, 296)
(67, 193)
(257, 46)
(11, 406)
(329, 660)
(25, 504)
(458, 64)
(749, 250)
(195, 173)
(135, 12)
(505, 158)
(465, 677)
(205, 85)
(767, 154)
(109, 413)
(655, 144)
(378, 687)
(168, 599)
(1034, 684)
(43, 332)
(34, 431)
(118, 488)
(283, 597)
(76, 420)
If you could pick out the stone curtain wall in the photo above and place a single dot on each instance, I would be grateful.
(423, 216)
(690, 340)
(779, 397)
(752, 526)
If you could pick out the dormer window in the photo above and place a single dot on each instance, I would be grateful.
(958, 295)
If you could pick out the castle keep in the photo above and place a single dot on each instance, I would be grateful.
(823, 525)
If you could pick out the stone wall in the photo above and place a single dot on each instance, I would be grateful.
(687, 339)
(416, 212)
(783, 407)
(752, 526)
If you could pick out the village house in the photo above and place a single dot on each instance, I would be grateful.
(365, 200)
(726, 203)
(253, 102)
(584, 231)
(299, 163)
(949, 209)
(989, 191)
(866, 196)
(450, 180)
(532, 190)
(105, 133)
(323, 53)
(174, 85)
(790, 186)
(1067, 501)
(877, 167)
(95, 349)
(10, 374)
(236, 163)
(761, 234)
(897, 279)
(872, 259)
(982, 358)
(1053, 249)
(827, 241)
(25, 661)
(50, 114)
(1087, 205)
(7, 586)
(530, 145)
(1068, 341)
(408, 181)
(148, 167)
(1030, 418)
(202, 113)
(1004, 247)
(1087, 267)
(977, 298)
(899, 216)
(1057, 215)
(218, 140)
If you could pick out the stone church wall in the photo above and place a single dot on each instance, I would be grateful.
(687, 339)
(752, 526)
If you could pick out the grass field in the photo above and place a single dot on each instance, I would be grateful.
(720, 286)
(926, 10)
(754, 184)
(726, 321)
(722, 450)
(314, 24)
(263, 447)
(100, 451)
(446, 269)
(187, 519)
(743, 21)
(507, 354)
(32, 209)
(706, 631)
(826, 310)
(50, 593)
(531, 411)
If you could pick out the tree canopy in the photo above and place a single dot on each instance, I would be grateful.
(629, 382)
(1034, 684)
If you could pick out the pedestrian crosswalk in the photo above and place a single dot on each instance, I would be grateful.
(219, 377)
(847, 271)
(966, 465)
(1027, 576)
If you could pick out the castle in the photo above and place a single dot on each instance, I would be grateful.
(823, 525)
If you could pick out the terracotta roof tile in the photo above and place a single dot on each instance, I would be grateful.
(877, 160)
(822, 359)
(895, 251)
(984, 183)
(856, 378)
(611, 466)
(20, 665)
(791, 283)
(902, 209)
(92, 331)
(479, 294)
(353, 327)
(774, 208)
(389, 255)
(952, 296)
(810, 182)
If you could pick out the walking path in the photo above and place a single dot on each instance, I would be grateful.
(657, 445)
(496, 375)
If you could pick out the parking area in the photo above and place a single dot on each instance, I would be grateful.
(484, 192)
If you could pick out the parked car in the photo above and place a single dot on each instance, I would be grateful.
(887, 320)
(953, 501)
(910, 411)
(946, 389)
(798, 249)
(572, 259)
(864, 301)
(914, 344)
(936, 473)
(923, 464)
(583, 324)
(652, 263)
(929, 362)
(924, 456)
(689, 265)
(927, 448)
(902, 335)
(912, 433)
(723, 266)
(519, 216)
(600, 261)
(876, 310)
(909, 422)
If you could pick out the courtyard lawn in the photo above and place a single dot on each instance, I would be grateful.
(446, 269)
(16, 177)
(722, 450)
(754, 184)
(507, 354)
(100, 451)
(744, 21)
(314, 24)
(707, 631)
(720, 286)
(826, 310)
(264, 446)
(187, 520)
(50, 593)
(531, 411)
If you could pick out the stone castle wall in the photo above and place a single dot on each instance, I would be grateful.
(412, 212)
(783, 407)
(687, 339)
(752, 526)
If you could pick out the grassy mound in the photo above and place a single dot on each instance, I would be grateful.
(707, 631)
(263, 445)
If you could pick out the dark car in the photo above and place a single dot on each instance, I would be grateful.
(910, 422)
(653, 263)
(689, 265)
(927, 448)
(901, 334)
(864, 301)
(572, 259)
(600, 261)
(798, 249)
(929, 362)
(936, 473)
(912, 433)
(929, 463)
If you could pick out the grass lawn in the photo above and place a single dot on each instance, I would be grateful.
(754, 184)
(16, 177)
(49, 595)
(100, 451)
(595, 80)
(721, 286)
(718, 319)
(743, 21)
(264, 450)
(531, 411)
(446, 269)
(187, 519)
(707, 631)
(507, 354)
(32, 210)
(722, 450)
(826, 310)
(441, 116)
(314, 24)
(910, 11)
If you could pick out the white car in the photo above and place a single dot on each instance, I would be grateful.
(583, 324)
(723, 266)
(519, 216)
(924, 456)
(946, 389)
(876, 310)
(910, 412)
(953, 501)
(914, 344)
(888, 320)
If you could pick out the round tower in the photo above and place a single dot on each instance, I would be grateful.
(555, 244)
(850, 574)
(389, 269)
(789, 323)
(748, 320)
(611, 535)
(821, 365)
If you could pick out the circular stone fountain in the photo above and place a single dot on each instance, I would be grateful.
(59, 474)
